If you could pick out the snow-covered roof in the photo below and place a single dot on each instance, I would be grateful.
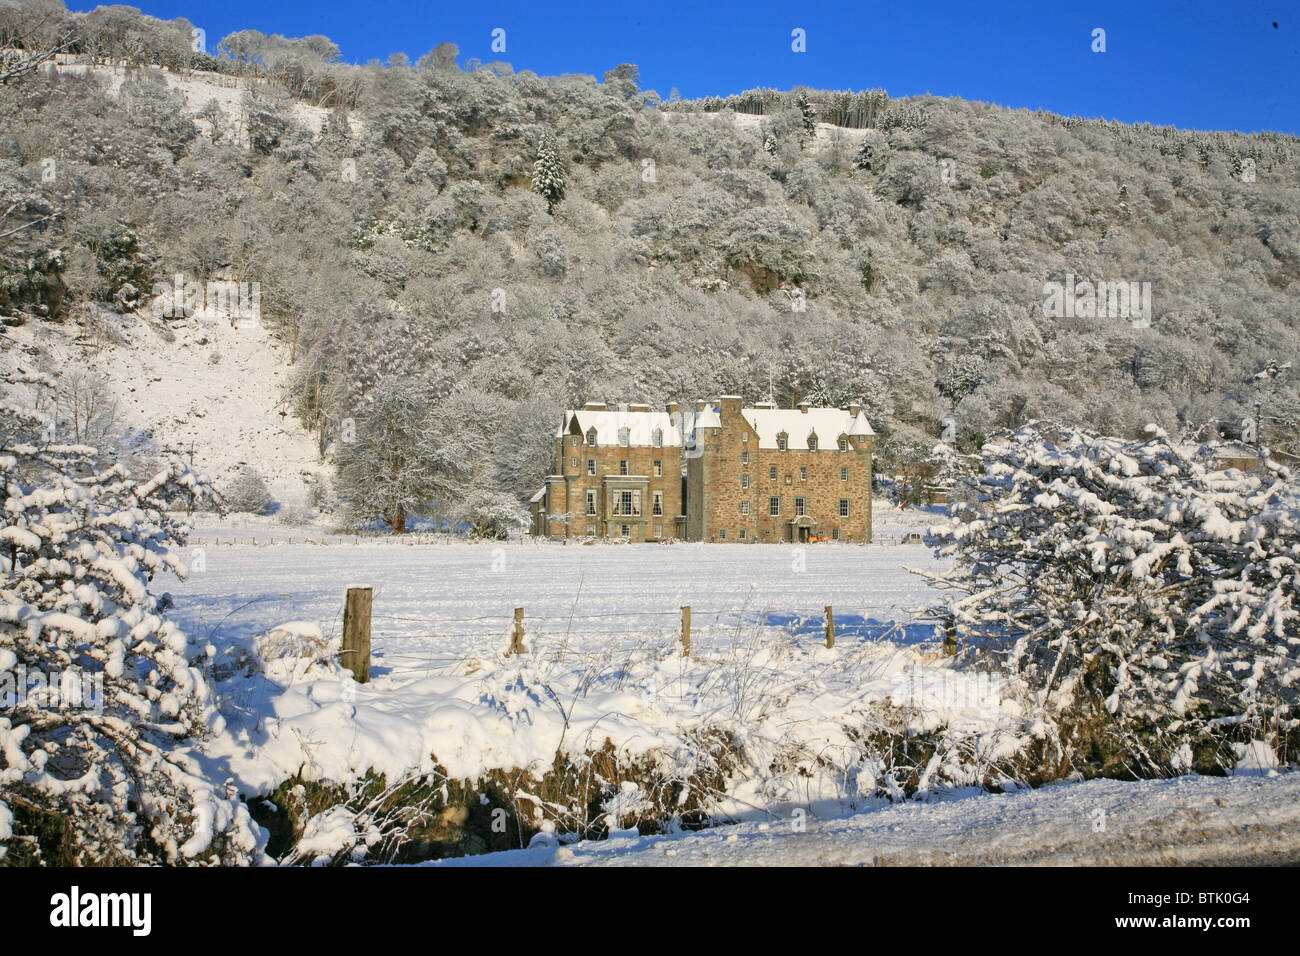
(538, 497)
(828, 424)
(640, 426)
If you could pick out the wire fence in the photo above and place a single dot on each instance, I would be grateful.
(712, 630)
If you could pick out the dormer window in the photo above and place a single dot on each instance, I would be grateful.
(781, 441)
(623, 437)
(812, 442)
(591, 437)
(657, 438)
(844, 443)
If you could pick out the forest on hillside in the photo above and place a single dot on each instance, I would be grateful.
(460, 251)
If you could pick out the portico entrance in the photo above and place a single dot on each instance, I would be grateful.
(801, 528)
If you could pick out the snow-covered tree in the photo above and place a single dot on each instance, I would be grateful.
(808, 114)
(415, 453)
(873, 154)
(493, 514)
(247, 492)
(384, 473)
(105, 702)
(548, 175)
(1135, 580)
(961, 378)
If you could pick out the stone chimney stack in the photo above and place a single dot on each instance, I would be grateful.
(671, 408)
(803, 406)
(699, 404)
(855, 409)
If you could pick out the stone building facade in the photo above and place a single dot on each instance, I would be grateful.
(718, 472)
(617, 474)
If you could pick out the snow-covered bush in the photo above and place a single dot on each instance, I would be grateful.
(493, 514)
(1132, 578)
(104, 699)
(248, 493)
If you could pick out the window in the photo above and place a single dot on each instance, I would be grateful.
(803, 474)
(625, 531)
(573, 463)
(844, 444)
(659, 468)
(591, 437)
(658, 505)
(591, 466)
(771, 473)
(835, 534)
(844, 474)
(774, 506)
(744, 481)
(623, 437)
(659, 531)
(812, 442)
(628, 503)
(657, 439)
(591, 502)
(799, 504)
(742, 534)
(573, 440)
(622, 466)
(722, 534)
(780, 442)
(744, 507)
(744, 458)
(844, 507)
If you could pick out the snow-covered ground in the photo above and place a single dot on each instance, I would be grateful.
(824, 136)
(1245, 820)
(434, 601)
(199, 87)
(604, 665)
(217, 387)
(602, 628)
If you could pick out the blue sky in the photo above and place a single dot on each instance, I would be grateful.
(1208, 64)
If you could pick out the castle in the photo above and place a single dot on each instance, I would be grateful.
(718, 472)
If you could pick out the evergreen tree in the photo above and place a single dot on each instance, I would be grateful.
(809, 114)
(548, 175)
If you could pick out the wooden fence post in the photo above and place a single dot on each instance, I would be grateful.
(517, 634)
(830, 627)
(950, 641)
(686, 630)
(356, 634)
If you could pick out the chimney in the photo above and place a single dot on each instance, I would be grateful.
(595, 406)
(638, 407)
(855, 409)
(729, 405)
(803, 406)
(699, 404)
(671, 408)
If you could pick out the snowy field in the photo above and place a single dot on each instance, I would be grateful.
(437, 602)
(604, 667)
(604, 662)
